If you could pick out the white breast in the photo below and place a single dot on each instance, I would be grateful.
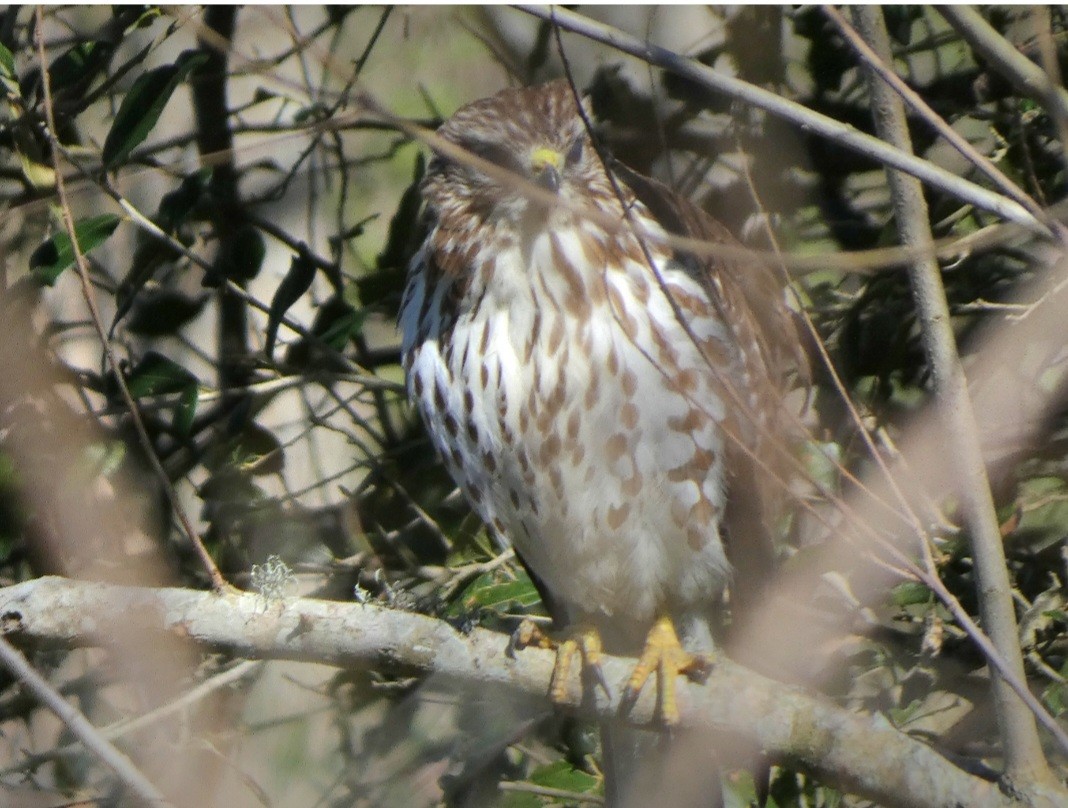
(582, 423)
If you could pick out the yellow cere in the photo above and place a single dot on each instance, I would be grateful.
(544, 157)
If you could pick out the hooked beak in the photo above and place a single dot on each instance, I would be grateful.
(546, 165)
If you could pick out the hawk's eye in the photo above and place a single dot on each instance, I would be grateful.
(574, 154)
(496, 153)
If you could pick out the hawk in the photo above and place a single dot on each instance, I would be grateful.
(606, 401)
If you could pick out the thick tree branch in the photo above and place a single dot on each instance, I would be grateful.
(1023, 751)
(861, 753)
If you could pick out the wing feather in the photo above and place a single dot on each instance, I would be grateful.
(750, 297)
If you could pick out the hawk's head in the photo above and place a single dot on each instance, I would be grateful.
(534, 135)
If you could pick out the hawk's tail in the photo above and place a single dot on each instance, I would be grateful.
(643, 768)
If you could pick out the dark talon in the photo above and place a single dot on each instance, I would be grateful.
(596, 672)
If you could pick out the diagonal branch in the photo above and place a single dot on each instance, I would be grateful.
(81, 728)
(809, 120)
(924, 110)
(1025, 75)
(861, 753)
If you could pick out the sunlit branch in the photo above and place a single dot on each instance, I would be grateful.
(863, 754)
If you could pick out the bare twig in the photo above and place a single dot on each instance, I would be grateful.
(80, 726)
(1015, 680)
(128, 726)
(1025, 762)
(153, 230)
(1047, 48)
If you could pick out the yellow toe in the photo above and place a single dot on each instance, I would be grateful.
(664, 655)
(586, 643)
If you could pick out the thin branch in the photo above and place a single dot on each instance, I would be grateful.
(809, 120)
(545, 791)
(217, 580)
(861, 753)
(954, 138)
(127, 726)
(77, 723)
(1025, 762)
(153, 230)
(1022, 73)
(1014, 678)
(1047, 48)
(866, 261)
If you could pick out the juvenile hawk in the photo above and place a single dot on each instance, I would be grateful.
(603, 399)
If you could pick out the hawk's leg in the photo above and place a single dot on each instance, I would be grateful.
(664, 655)
(583, 642)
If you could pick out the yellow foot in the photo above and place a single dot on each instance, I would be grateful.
(584, 642)
(665, 656)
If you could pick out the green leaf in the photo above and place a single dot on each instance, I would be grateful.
(1045, 512)
(823, 459)
(296, 282)
(263, 94)
(901, 716)
(8, 77)
(739, 790)
(487, 591)
(247, 253)
(79, 65)
(162, 312)
(910, 593)
(336, 322)
(1056, 614)
(142, 106)
(232, 488)
(404, 226)
(9, 476)
(563, 775)
(176, 205)
(254, 450)
(1056, 695)
(56, 254)
(105, 457)
(559, 775)
(148, 256)
(899, 20)
(147, 17)
(157, 375)
(241, 258)
(337, 330)
(186, 410)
